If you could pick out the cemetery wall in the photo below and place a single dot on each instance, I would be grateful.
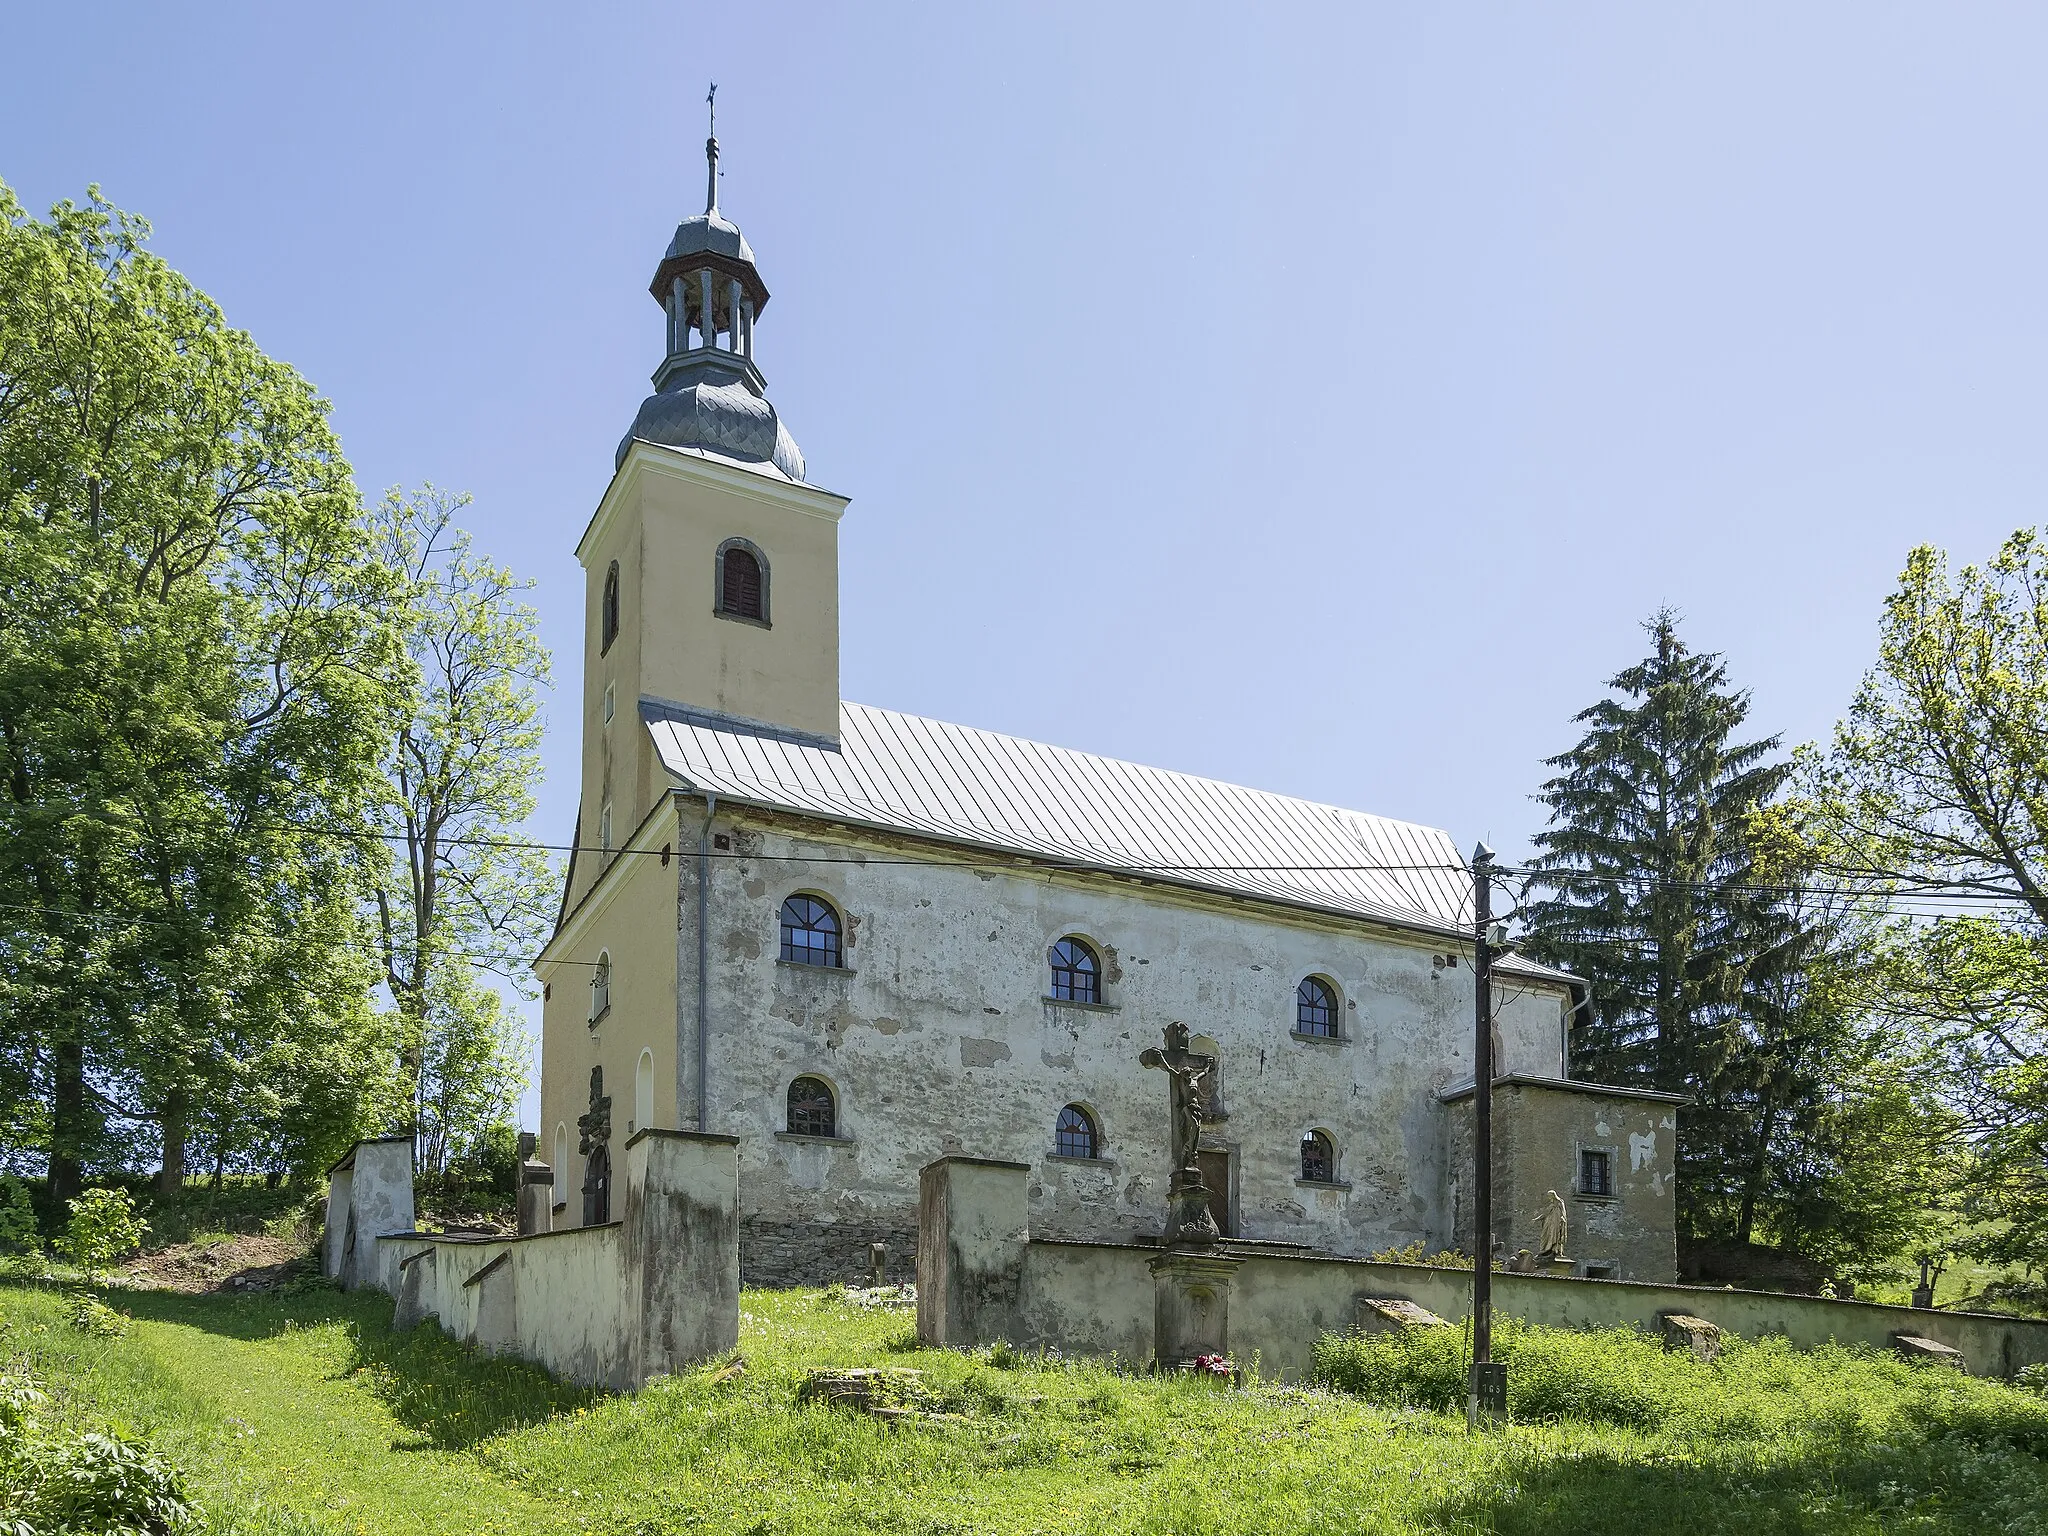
(982, 1277)
(611, 1305)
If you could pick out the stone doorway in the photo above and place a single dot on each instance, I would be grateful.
(1216, 1177)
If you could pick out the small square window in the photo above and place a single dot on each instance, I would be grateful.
(1596, 1175)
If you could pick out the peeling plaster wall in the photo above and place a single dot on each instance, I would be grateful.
(937, 1037)
(1537, 1135)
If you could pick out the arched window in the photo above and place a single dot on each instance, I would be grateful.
(1076, 974)
(600, 987)
(643, 1092)
(810, 932)
(812, 1111)
(1318, 1159)
(742, 581)
(610, 617)
(1315, 1008)
(561, 1164)
(1074, 1135)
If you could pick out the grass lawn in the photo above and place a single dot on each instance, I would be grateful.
(306, 1414)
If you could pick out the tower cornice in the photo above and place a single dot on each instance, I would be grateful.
(644, 459)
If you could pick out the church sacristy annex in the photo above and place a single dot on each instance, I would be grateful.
(859, 940)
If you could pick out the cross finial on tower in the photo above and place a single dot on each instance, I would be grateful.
(711, 151)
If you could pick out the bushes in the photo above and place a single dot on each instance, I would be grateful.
(55, 1481)
(103, 1227)
(91, 1315)
(17, 1217)
(1621, 1377)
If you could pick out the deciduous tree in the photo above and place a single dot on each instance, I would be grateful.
(1938, 781)
(466, 895)
(196, 669)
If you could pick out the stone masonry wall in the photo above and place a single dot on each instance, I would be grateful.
(777, 1253)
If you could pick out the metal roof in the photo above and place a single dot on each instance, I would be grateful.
(904, 773)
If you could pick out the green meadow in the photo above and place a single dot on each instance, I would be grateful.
(305, 1413)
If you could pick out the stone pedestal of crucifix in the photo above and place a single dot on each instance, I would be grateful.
(1191, 1280)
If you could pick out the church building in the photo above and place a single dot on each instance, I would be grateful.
(859, 940)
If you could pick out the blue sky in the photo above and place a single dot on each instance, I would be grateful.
(1313, 397)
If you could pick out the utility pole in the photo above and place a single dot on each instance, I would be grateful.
(1489, 1388)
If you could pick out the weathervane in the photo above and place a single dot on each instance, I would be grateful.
(711, 152)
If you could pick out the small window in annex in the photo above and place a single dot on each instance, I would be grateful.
(812, 1111)
(600, 988)
(1074, 1135)
(1318, 1159)
(742, 582)
(1315, 1008)
(810, 932)
(1596, 1172)
(609, 618)
(1076, 973)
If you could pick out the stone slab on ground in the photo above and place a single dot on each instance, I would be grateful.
(1390, 1314)
(882, 1392)
(1913, 1347)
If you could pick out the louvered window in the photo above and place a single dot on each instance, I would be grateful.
(741, 590)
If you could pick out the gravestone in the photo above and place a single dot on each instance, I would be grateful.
(1684, 1333)
(1913, 1347)
(1392, 1314)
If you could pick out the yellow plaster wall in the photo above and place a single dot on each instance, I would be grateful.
(663, 520)
(633, 917)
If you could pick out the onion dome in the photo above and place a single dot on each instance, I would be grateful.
(708, 395)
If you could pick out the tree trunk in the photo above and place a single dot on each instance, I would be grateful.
(67, 1119)
(176, 1110)
(1752, 1185)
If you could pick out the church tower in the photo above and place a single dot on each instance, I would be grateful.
(711, 567)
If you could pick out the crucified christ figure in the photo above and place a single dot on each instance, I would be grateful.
(1187, 1071)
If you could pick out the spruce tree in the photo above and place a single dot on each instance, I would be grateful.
(1652, 896)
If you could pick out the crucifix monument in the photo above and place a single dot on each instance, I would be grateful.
(1188, 1221)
